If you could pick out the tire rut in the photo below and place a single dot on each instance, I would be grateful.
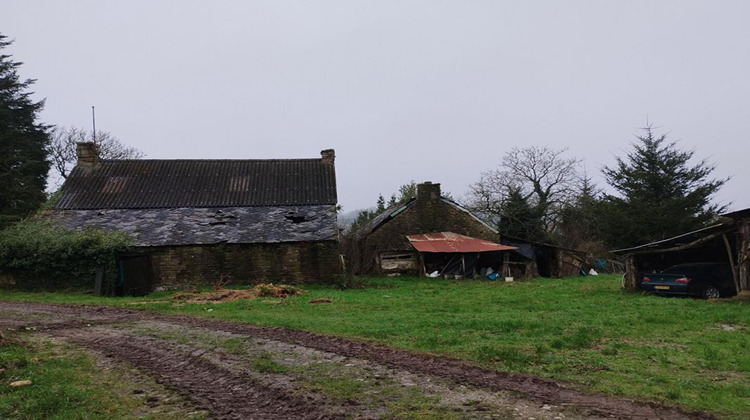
(225, 394)
(236, 395)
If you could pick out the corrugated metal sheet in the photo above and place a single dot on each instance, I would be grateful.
(134, 184)
(453, 242)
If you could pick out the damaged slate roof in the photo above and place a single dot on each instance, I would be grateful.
(201, 202)
(149, 184)
(203, 226)
(397, 209)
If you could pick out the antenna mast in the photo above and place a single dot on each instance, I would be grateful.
(93, 123)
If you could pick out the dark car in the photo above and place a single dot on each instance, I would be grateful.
(706, 280)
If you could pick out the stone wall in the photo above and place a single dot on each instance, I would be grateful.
(288, 263)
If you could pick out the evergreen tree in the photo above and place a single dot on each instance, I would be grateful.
(405, 193)
(579, 227)
(23, 144)
(519, 218)
(660, 194)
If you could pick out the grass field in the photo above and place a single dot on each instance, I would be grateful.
(585, 330)
(67, 384)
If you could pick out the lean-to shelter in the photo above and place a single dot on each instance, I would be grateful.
(451, 254)
(726, 241)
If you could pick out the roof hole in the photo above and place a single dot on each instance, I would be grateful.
(296, 219)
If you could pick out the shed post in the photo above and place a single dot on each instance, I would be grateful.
(630, 279)
(743, 259)
(731, 263)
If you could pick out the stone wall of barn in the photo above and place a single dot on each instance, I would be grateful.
(285, 263)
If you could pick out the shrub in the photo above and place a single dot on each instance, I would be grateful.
(41, 255)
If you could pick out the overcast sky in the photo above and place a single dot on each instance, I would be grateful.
(403, 90)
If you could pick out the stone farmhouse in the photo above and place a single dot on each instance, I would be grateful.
(202, 221)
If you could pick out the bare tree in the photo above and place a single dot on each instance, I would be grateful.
(62, 149)
(538, 177)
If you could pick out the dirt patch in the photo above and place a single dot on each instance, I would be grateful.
(224, 393)
(235, 370)
(219, 295)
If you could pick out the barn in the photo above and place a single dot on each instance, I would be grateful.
(198, 221)
(382, 246)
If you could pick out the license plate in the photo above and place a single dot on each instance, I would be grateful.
(661, 287)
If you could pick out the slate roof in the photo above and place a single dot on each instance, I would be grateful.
(204, 226)
(151, 184)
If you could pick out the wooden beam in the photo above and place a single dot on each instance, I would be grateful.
(682, 247)
(731, 264)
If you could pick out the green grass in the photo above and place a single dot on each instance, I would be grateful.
(687, 352)
(65, 385)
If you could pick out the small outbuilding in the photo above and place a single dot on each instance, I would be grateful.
(551, 260)
(382, 245)
(726, 241)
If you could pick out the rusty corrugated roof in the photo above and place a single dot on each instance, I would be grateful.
(453, 242)
(132, 184)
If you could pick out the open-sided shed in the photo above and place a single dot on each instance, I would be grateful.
(550, 260)
(448, 253)
(727, 241)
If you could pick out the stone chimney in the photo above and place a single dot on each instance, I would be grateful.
(328, 156)
(87, 153)
(428, 192)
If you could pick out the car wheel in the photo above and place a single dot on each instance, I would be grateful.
(711, 292)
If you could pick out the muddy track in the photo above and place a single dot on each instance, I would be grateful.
(227, 393)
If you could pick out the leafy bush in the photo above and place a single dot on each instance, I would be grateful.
(41, 255)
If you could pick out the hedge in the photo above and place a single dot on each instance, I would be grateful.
(40, 255)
